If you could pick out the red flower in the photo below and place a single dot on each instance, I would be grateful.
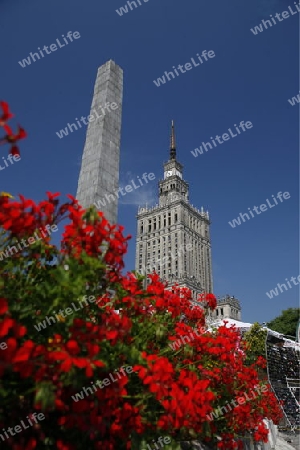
(11, 138)
(209, 300)
(31, 444)
(6, 113)
(3, 306)
(5, 325)
(24, 353)
(261, 434)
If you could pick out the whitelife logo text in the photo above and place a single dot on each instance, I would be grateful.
(274, 292)
(259, 209)
(101, 384)
(244, 126)
(31, 240)
(128, 188)
(268, 23)
(59, 317)
(124, 9)
(188, 66)
(9, 158)
(87, 119)
(294, 100)
(19, 428)
(53, 48)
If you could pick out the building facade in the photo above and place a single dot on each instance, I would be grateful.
(173, 237)
(228, 308)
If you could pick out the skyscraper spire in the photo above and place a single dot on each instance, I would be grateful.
(172, 143)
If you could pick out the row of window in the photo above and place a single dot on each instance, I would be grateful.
(172, 186)
(198, 258)
(220, 310)
(195, 243)
(158, 222)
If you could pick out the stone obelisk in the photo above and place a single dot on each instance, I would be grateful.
(99, 173)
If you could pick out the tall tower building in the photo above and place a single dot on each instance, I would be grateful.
(99, 174)
(173, 237)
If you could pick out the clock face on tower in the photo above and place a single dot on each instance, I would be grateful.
(168, 173)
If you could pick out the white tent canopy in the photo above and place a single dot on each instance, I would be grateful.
(244, 326)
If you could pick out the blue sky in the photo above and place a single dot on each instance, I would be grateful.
(251, 78)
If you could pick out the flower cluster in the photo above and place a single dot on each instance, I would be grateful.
(10, 137)
(170, 393)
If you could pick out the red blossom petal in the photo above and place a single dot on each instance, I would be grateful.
(80, 362)
(8, 130)
(6, 112)
(3, 306)
(58, 355)
(5, 326)
(73, 347)
(21, 133)
(24, 352)
(66, 365)
(14, 151)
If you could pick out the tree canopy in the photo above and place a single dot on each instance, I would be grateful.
(286, 323)
(255, 339)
